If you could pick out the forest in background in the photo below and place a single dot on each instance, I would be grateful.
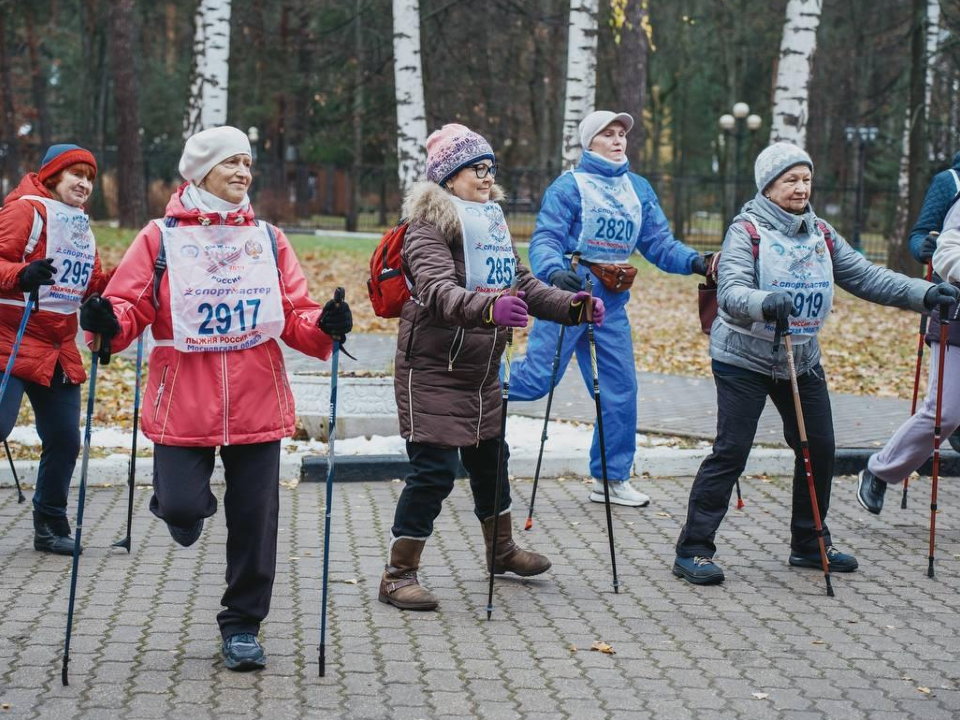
(317, 80)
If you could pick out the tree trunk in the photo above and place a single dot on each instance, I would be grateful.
(170, 31)
(353, 214)
(632, 53)
(207, 104)
(790, 94)
(131, 194)
(581, 84)
(301, 108)
(9, 143)
(38, 82)
(408, 77)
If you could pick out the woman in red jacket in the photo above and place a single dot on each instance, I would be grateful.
(227, 289)
(46, 245)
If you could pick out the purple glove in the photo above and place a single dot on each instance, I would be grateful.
(510, 311)
(578, 308)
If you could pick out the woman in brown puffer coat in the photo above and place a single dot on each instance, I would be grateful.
(460, 260)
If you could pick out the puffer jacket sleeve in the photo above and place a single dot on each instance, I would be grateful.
(301, 312)
(543, 301)
(936, 204)
(429, 259)
(656, 242)
(559, 212)
(16, 224)
(857, 275)
(130, 289)
(737, 291)
(946, 259)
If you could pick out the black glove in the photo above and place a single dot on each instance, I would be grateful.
(942, 294)
(778, 306)
(701, 263)
(96, 316)
(37, 273)
(566, 280)
(927, 247)
(336, 320)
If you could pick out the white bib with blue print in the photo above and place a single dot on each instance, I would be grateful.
(488, 257)
(611, 215)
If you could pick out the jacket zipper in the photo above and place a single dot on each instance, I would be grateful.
(173, 388)
(281, 404)
(226, 398)
(160, 388)
(410, 401)
(455, 346)
(480, 390)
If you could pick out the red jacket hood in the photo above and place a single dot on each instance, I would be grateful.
(30, 185)
(176, 209)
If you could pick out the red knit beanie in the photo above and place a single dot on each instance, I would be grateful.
(60, 157)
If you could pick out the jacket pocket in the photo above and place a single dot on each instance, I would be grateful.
(160, 389)
(455, 347)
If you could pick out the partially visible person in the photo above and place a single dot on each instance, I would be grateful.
(47, 246)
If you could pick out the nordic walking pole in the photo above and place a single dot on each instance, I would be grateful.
(132, 474)
(501, 463)
(338, 296)
(13, 469)
(574, 261)
(805, 449)
(739, 496)
(916, 377)
(603, 447)
(96, 350)
(935, 475)
(33, 302)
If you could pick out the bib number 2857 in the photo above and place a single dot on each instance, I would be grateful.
(223, 314)
(501, 271)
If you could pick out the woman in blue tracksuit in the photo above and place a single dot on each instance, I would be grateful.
(604, 212)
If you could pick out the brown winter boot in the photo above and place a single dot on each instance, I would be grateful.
(399, 586)
(510, 558)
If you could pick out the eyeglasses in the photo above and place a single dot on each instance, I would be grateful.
(482, 170)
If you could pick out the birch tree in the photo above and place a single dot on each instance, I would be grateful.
(408, 79)
(207, 103)
(581, 86)
(790, 94)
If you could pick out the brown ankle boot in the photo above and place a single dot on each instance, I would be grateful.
(399, 586)
(510, 558)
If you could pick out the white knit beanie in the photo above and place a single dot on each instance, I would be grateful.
(775, 160)
(207, 148)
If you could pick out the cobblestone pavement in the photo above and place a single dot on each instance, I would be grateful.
(767, 644)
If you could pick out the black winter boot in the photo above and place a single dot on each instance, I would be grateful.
(52, 534)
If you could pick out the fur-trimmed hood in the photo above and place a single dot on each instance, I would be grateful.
(430, 203)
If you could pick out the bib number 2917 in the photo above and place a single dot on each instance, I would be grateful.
(223, 314)
(501, 271)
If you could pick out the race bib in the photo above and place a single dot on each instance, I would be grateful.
(71, 244)
(224, 291)
(487, 246)
(802, 267)
(611, 215)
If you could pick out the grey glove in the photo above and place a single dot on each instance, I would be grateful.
(942, 294)
(927, 248)
(566, 280)
(778, 306)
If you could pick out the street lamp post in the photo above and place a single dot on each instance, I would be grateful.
(862, 136)
(733, 126)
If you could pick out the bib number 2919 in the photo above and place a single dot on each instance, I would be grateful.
(808, 305)
(224, 314)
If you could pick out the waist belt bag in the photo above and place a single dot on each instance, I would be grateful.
(615, 277)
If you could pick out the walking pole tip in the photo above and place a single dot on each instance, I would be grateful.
(829, 587)
(526, 526)
(125, 544)
(740, 503)
(64, 679)
(930, 573)
(322, 660)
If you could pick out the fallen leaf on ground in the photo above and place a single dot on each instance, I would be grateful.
(663, 514)
(5, 706)
(601, 646)
(573, 648)
(351, 581)
(924, 690)
(818, 642)
(761, 696)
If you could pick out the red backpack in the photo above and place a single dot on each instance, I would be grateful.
(387, 285)
(707, 291)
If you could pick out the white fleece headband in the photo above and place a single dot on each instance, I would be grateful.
(207, 148)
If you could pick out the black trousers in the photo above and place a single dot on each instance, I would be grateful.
(181, 497)
(434, 471)
(741, 396)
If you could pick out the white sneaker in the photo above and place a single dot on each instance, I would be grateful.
(621, 493)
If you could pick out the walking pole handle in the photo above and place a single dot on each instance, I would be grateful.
(589, 308)
(35, 299)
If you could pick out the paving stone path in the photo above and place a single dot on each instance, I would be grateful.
(767, 644)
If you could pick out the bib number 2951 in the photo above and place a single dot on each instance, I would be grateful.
(75, 273)
(223, 314)
(501, 271)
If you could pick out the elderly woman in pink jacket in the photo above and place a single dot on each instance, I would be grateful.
(219, 288)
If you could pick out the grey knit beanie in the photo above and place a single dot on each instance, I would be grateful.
(775, 160)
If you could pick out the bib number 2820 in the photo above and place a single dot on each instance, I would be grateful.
(223, 314)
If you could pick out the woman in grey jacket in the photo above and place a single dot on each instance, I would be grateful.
(779, 263)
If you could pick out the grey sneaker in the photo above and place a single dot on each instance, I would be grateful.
(243, 652)
(621, 493)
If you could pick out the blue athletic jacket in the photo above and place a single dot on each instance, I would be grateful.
(936, 203)
(558, 224)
